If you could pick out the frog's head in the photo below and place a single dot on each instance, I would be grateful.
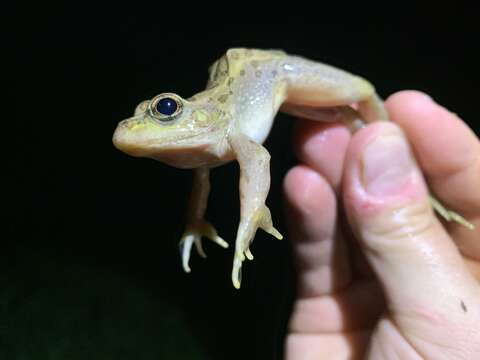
(167, 128)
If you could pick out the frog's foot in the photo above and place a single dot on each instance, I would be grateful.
(450, 215)
(193, 234)
(262, 219)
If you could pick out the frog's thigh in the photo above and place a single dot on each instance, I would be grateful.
(318, 85)
(341, 114)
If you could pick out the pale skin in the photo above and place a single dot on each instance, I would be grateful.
(231, 119)
(384, 278)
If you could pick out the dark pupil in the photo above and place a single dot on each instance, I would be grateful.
(167, 106)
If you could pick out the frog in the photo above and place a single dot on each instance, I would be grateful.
(230, 120)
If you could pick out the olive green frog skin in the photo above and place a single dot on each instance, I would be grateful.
(231, 119)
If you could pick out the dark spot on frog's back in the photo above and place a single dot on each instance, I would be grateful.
(464, 307)
(242, 72)
(223, 98)
(258, 73)
(230, 81)
(219, 70)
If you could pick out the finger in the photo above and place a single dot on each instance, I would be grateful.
(326, 301)
(319, 252)
(322, 147)
(356, 307)
(424, 278)
(449, 154)
(326, 346)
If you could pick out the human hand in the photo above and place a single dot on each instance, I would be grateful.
(378, 275)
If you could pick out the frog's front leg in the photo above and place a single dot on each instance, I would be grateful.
(196, 224)
(254, 161)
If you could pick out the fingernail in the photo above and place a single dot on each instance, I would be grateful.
(387, 164)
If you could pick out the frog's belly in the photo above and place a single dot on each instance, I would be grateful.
(257, 107)
(257, 128)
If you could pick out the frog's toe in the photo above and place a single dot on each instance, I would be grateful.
(207, 230)
(262, 219)
(265, 222)
(198, 245)
(274, 232)
(450, 215)
(193, 235)
(248, 254)
(237, 266)
(185, 248)
(237, 270)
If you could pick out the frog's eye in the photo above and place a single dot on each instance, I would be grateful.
(166, 107)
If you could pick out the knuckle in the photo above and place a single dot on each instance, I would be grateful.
(398, 224)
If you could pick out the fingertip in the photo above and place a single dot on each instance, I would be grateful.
(322, 147)
(311, 205)
(438, 135)
(447, 150)
(411, 107)
(306, 190)
(411, 97)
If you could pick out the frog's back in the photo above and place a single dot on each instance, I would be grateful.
(250, 85)
(244, 84)
(232, 64)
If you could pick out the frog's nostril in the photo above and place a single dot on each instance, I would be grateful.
(126, 124)
(133, 123)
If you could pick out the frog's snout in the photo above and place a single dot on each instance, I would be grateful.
(117, 137)
(123, 138)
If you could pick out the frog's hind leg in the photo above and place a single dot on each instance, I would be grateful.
(343, 114)
(313, 84)
(354, 121)
(449, 215)
(322, 92)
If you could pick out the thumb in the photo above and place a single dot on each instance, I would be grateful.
(424, 278)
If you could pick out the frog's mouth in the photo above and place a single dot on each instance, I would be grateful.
(140, 146)
(129, 148)
(183, 148)
(188, 154)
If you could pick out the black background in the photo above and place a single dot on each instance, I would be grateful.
(90, 263)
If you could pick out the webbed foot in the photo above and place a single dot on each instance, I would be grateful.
(193, 235)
